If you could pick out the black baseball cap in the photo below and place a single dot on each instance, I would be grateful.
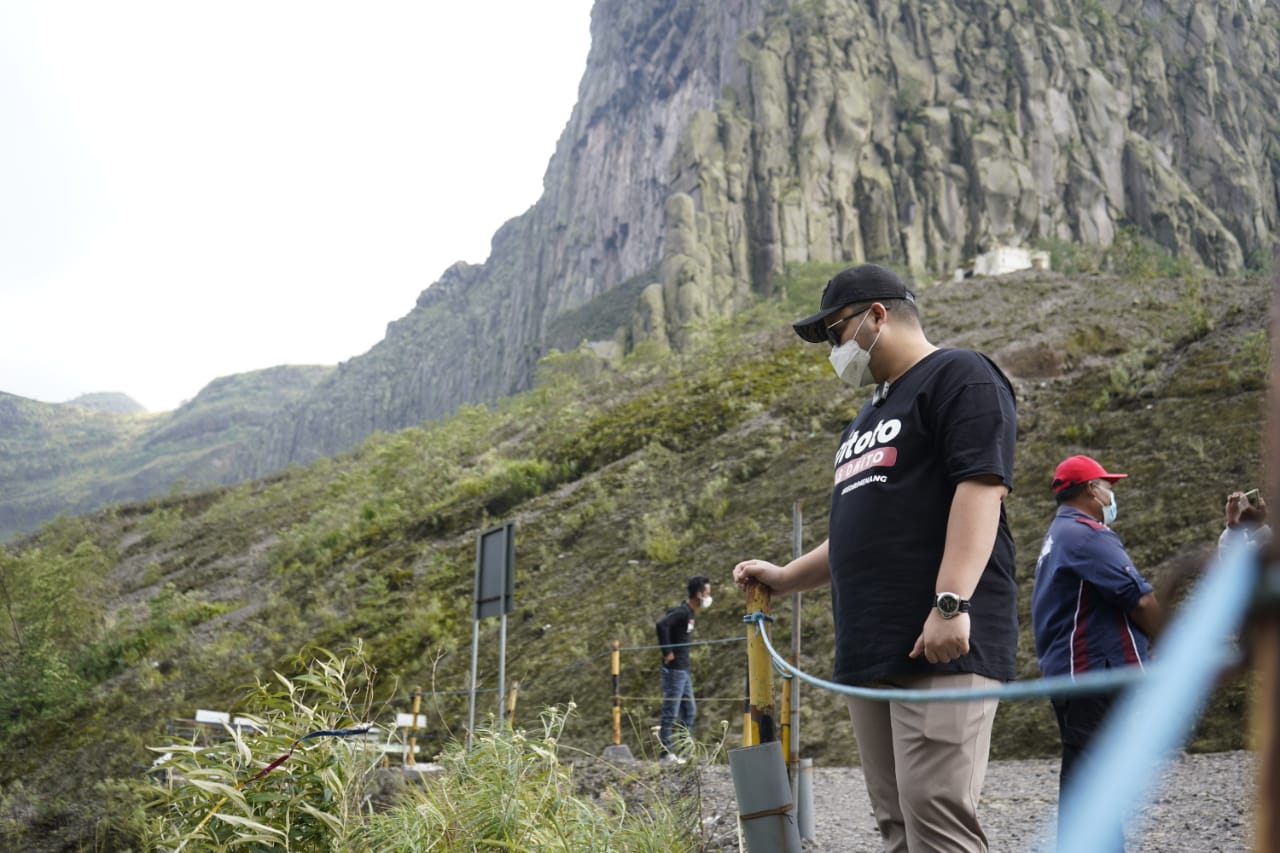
(863, 283)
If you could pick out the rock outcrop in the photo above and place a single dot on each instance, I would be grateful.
(716, 142)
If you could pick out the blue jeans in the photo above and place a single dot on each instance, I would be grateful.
(677, 703)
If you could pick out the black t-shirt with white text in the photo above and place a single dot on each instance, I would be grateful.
(949, 418)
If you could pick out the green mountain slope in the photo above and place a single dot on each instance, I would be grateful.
(623, 479)
(96, 450)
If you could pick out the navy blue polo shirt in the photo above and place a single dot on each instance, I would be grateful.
(1085, 587)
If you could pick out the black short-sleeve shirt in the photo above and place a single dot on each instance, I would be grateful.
(949, 418)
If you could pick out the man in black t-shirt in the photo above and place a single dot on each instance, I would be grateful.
(674, 632)
(919, 556)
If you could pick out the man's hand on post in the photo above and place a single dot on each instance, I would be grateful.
(756, 571)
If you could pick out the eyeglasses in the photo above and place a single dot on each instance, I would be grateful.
(832, 337)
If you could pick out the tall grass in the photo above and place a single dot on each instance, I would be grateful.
(508, 791)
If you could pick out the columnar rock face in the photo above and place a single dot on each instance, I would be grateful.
(716, 141)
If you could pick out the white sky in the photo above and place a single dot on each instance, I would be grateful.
(194, 189)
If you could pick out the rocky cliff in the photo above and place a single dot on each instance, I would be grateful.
(715, 142)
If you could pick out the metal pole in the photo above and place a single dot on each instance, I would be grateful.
(502, 662)
(615, 665)
(785, 717)
(766, 813)
(475, 653)
(797, 549)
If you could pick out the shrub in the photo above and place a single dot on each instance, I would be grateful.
(304, 782)
(228, 795)
(509, 791)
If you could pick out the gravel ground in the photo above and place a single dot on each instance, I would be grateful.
(1202, 806)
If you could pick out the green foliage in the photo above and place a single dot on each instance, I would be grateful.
(506, 483)
(506, 791)
(162, 524)
(50, 610)
(1129, 377)
(726, 395)
(910, 100)
(660, 538)
(1195, 309)
(1255, 360)
(600, 318)
(1132, 256)
(510, 791)
(222, 797)
(1259, 260)
(1072, 258)
(170, 615)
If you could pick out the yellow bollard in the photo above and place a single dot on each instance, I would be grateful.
(616, 666)
(511, 703)
(413, 739)
(760, 671)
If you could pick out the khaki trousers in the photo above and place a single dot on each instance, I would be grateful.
(925, 763)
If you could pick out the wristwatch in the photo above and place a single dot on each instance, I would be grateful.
(949, 604)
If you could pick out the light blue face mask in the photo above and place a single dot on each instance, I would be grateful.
(1109, 511)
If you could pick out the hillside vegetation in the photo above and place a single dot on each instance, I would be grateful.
(623, 478)
(99, 449)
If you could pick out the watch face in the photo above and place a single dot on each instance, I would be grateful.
(948, 604)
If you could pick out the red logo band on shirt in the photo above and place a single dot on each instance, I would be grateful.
(881, 457)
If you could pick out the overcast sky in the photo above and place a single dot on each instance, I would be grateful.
(194, 189)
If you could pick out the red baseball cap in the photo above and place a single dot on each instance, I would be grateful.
(1080, 469)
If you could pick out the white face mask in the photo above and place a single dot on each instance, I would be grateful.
(706, 602)
(851, 361)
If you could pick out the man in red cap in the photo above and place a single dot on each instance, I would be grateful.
(1090, 609)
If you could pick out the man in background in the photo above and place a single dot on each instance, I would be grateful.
(1246, 521)
(1090, 608)
(674, 630)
